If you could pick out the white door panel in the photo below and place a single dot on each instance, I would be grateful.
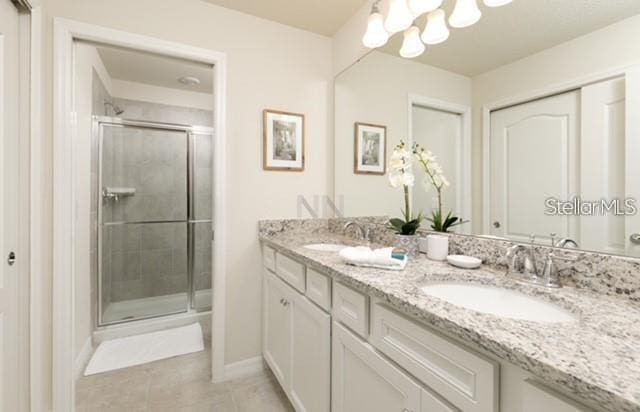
(533, 157)
(440, 132)
(603, 163)
(310, 356)
(9, 151)
(362, 380)
(277, 329)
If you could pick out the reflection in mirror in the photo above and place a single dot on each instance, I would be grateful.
(533, 129)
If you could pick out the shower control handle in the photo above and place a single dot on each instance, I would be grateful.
(284, 302)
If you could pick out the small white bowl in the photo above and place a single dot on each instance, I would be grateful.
(465, 262)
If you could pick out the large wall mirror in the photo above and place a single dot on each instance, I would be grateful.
(533, 114)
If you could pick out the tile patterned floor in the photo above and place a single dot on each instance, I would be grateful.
(181, 384)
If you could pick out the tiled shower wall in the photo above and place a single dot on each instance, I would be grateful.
(141, 261)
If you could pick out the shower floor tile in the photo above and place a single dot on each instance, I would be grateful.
(182, 383)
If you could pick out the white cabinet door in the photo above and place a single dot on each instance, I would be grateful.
(276, 328)
(310, 356)
(532, 158)
(364, 381)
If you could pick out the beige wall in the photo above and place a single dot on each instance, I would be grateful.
(269, 66)
(376, 90)
(599, 51)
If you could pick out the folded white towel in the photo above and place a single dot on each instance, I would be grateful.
(378, 258)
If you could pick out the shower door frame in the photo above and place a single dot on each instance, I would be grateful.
(190, 132)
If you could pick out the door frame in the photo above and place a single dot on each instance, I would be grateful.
(464, 203)
(631, 73)
(64, 133)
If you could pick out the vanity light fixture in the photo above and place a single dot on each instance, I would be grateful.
(465, 13)
(376, 35)
(496, 3)
(412, 46)
(399, 17)
(436, 30)
(402, 15)
(420, 7)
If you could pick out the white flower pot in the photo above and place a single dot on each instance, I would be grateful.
(437, 247)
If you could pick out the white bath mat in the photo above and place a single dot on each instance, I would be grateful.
(136, 350)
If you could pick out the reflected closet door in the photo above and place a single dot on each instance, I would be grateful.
(534, 156)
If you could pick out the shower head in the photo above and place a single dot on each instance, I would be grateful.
(116, 109)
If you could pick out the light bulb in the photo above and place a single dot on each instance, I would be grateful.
(412, 46)
(436, 30)
(420, 7)
(399, 17)
(496, 3)
(465, 13)
(376, 35)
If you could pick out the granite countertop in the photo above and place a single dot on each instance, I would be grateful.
(597, 358)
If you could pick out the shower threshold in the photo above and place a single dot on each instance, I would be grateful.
(154, 306)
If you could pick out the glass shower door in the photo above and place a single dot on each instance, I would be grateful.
(143, 223)
(200, 215)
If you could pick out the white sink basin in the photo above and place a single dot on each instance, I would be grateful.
(499, 302)
(326, 247)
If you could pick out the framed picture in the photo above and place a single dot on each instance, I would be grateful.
(370, 151)
(283, 145)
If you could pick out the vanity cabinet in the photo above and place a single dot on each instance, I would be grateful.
(333, 348)
(297, 344)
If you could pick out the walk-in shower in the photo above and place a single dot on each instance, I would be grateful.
(154, 224)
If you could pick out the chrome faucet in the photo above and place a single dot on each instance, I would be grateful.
(563, 243)
(549, 276)
(529, 269)
(363, 232)
(566, 241)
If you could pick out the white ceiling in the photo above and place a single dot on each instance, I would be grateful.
(153, 69)
(319, 16)
(517, 30)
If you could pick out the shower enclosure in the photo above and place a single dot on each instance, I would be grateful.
(154, 224)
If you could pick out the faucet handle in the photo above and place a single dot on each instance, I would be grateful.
(532, 239)
(552, 236)
(550, 275)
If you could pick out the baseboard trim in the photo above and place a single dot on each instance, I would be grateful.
(83, 358)
(244, 368)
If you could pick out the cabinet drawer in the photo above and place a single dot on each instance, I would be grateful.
(319, 289)
(350, 308)
(291, 271)
(467, 380)
(269, 258)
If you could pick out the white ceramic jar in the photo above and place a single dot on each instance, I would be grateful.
(437, 247)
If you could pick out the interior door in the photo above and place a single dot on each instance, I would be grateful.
(441, 133)
(9, 129)
(533, 158)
